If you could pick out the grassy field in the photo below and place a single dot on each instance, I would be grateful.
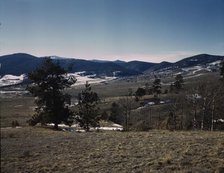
(44, 150)
(16, 108)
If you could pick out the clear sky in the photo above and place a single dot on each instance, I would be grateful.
(149, 30)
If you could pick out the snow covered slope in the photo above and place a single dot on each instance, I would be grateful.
(8, 80)
(81, 79)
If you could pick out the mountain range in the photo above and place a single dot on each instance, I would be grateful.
(21, 63)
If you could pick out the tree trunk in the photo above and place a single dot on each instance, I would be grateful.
(195, 116)
(87, 127)
(213, 108)
(202, 121)
(126, 122)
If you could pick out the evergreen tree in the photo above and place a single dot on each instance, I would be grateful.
(157, 88)
(115, 113)
(179, 82)
(140, 92)
(48, 82)
(88, 112)
(222, 70)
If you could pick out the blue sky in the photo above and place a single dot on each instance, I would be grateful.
(149, 30)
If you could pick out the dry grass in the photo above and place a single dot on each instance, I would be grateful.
(44, 150)
(19, 109)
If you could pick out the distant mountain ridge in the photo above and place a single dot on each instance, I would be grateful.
(21, 63)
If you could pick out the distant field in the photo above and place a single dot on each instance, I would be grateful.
(44, 150)
(20, 109)
(120, 87)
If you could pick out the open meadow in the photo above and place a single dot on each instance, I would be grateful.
(44, 150)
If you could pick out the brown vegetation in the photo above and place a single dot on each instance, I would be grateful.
(43, 150)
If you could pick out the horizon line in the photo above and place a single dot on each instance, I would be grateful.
(111, 60)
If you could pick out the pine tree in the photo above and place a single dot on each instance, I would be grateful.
(179, 82)
(116, 113)
(222, 70)
(88, 112)
(48, 83)
(157, 88)
(140, 92)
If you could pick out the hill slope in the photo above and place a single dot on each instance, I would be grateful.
(17, 64)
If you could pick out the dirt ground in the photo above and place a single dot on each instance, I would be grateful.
(35, 149)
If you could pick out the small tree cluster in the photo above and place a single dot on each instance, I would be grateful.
(139, 93)
(178, 84)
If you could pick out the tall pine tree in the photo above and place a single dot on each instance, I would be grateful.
(157, 88)
(48, 83)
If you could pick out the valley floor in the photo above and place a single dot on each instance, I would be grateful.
(44, 150)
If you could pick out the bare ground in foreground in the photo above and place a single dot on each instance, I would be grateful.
(43, 150)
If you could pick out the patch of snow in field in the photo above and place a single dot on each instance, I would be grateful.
(175, 74)
(5, 128)
(117, 125)
(189, 77)
(75, 127)
(81, 80)
(110, 128)
(14, 92)
(151, 103)
(166, 84)
(141, 107)
(17, 106)
(206, 69)
(192, 68)
(8, 80)
(218, 121)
